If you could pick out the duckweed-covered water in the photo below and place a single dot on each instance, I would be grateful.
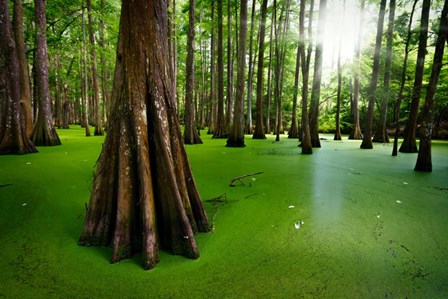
(343, 222)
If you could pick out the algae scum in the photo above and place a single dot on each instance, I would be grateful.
(342, 222)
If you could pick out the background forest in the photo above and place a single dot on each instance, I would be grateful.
(82, 36)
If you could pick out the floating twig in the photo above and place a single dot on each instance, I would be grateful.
(238, 178)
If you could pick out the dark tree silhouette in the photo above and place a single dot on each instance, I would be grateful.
(367, 138)
(424, 162)
(13, 136)
(43, 132)
(409, 144)
(144, 194)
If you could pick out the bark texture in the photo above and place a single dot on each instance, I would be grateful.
(367, 138)
(13, 136)
(236, 136)
(424, 162)
(43, 133)
(220, 129)
(25, 86)
(144, 195)
(409, 144)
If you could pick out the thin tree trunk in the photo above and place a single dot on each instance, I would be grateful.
(104, 89)
(367, 139)
(220, 130)
(25, 86)
(85, 101)
(269, 91)
(424, 161)
(96, 95)
(355, 133)
(13, 136)
(248, 128)
(230, 99)
(43, 133)
(409, 144)
(293, 132)
(337, 135)
(317, 77)
(259, 132)
(236, 136)
(381, 132)
(191, 136)
(144, 195)
(212, 101)
(305, 129)
(403, 82)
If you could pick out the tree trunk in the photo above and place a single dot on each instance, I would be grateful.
(85, 84)
(230, 100)
(212, 101)
(317, 77)
(305, 129)
(96, 95)
(337, 134)
(424, 162)
(144, 195)
(104, 89)
(367, 138)
(355, 133)
(293, 132)
(381, 131)
(259, 130)
(270, 72)
(403, 82)
(220, 129)
(249, 127)
(191, 135)
(409, 144)
(25, 86)
(43, 133)
(13, 136)
(236, 136)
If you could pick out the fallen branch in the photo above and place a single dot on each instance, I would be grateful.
(221, 198)
(238, 178)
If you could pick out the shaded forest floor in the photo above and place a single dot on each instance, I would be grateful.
(342, 222)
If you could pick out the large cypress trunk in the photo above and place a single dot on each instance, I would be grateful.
(13, 136)
(144, 194)
(43, 132)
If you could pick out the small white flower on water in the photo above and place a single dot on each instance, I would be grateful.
(298, 224)
(405, 183)
(24, 204)
(378, 216)
(254, 179)
(398, 201)
(28, 163)
(291, 207)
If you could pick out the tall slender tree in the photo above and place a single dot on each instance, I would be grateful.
(317, 76)
(13, 136)
(220, 129)
(191, 135)
(212, 100)
(424, 161)
(403, 81)
(293, 132)
(94, 67)
(381, 130)
(337, 135)
(43, 133)
(84, 76)
(355, 132)
(144, 194)
(409, 144)
(259, 130)
(25, 86)
(367, 138)
(230, 97)
(270, 74)
(236, 135)
(248, 127)
(305, 128)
